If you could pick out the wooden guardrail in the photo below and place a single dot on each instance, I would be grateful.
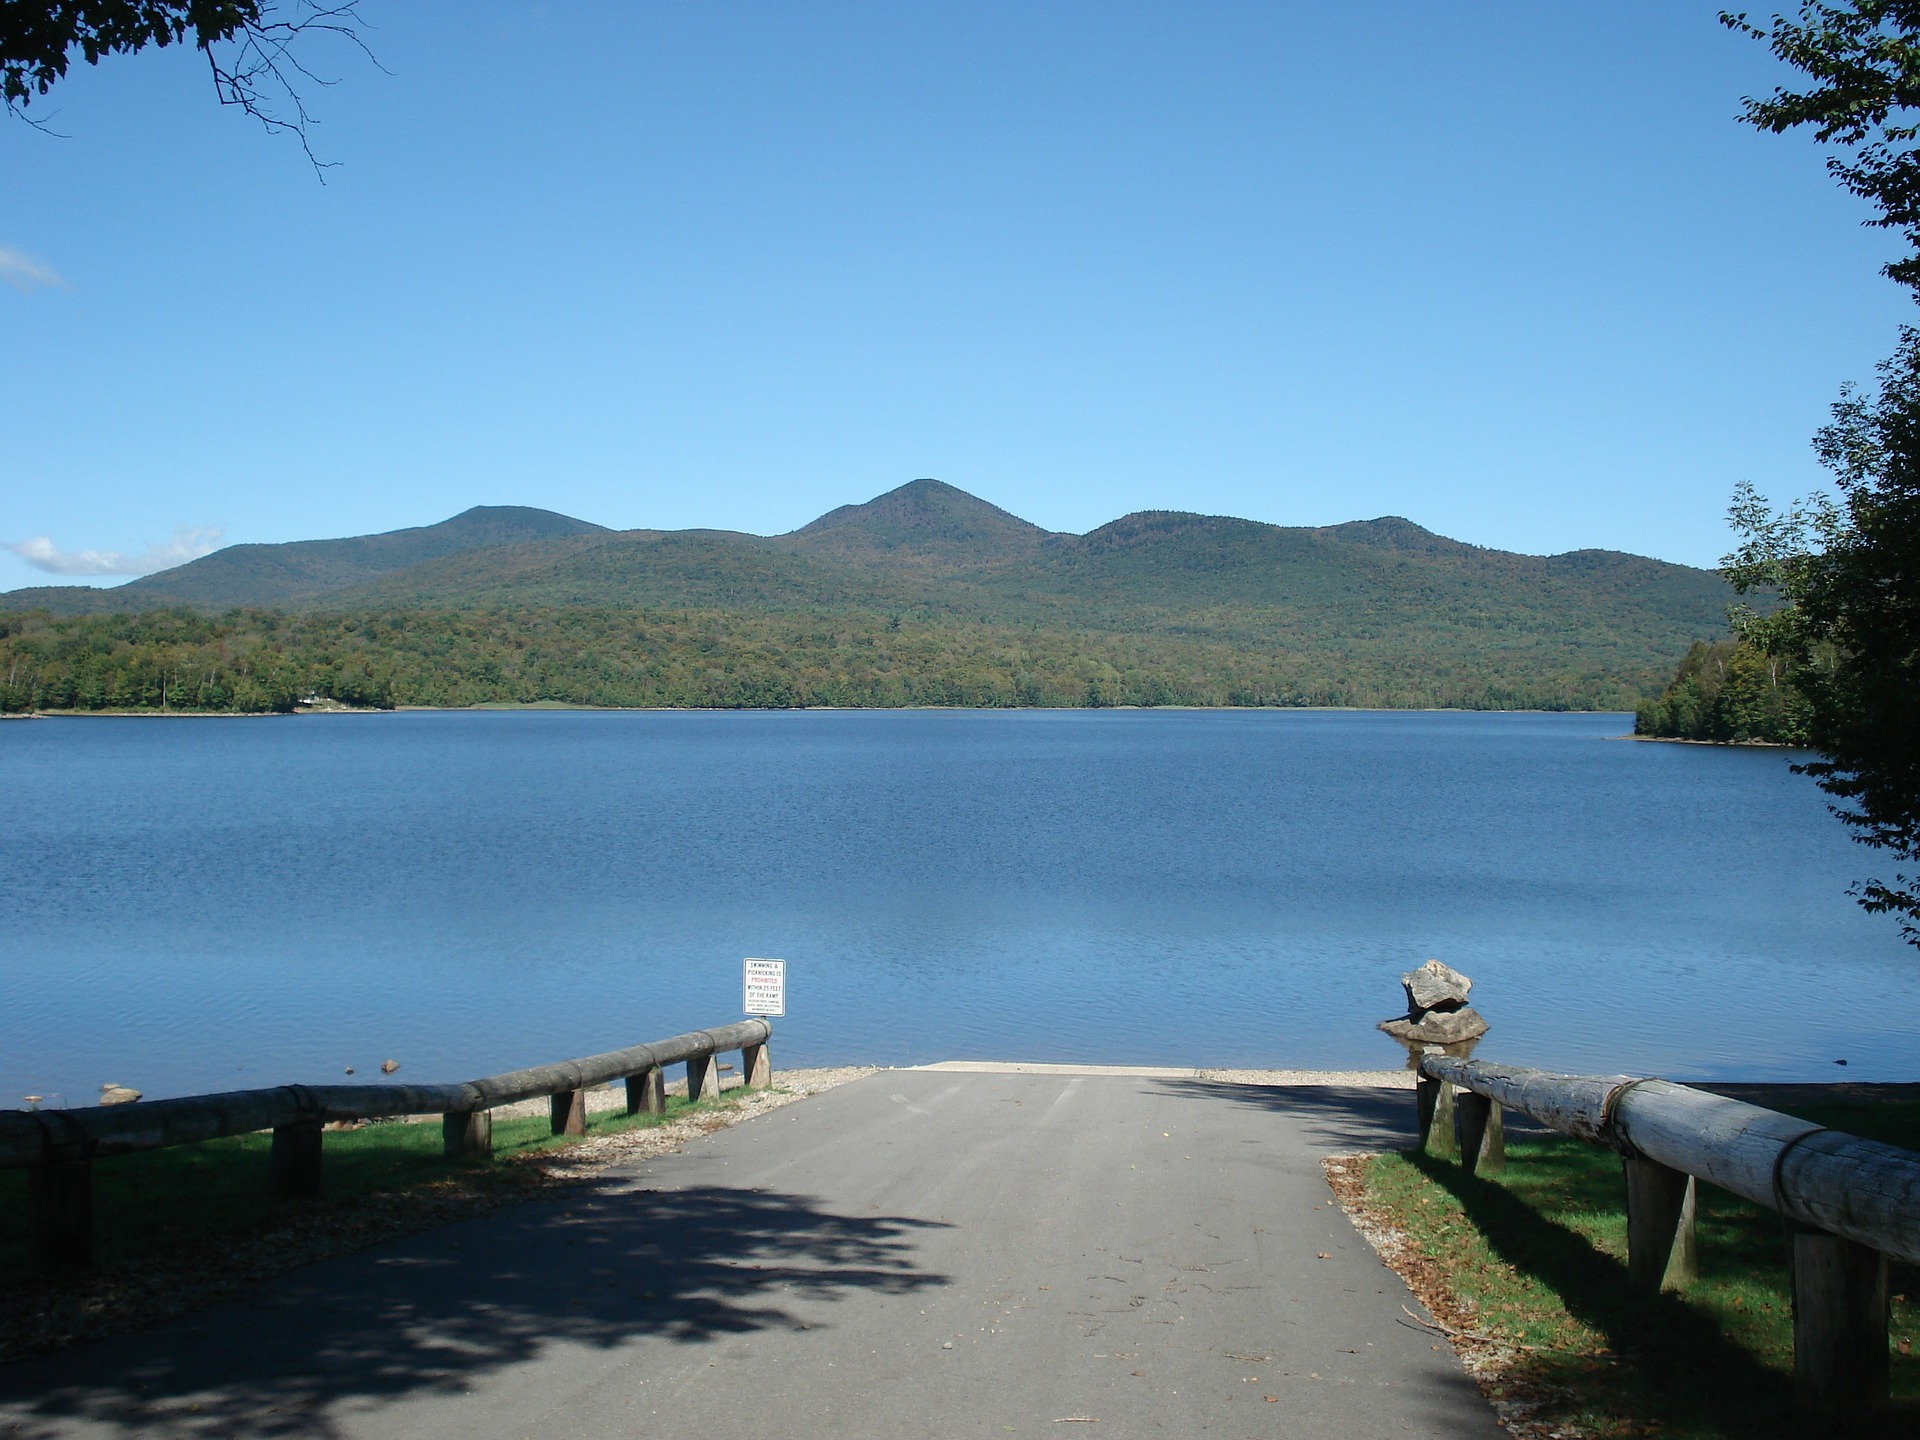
(1850, 1202)
(58, 1147)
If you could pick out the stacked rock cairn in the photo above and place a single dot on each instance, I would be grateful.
(1437, 1009)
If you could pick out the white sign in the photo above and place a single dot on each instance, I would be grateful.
(766, 987)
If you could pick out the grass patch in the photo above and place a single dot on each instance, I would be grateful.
(1536, 1256)
(149, 1202)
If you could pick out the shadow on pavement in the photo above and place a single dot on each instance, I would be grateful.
(1340, 1118)
(1343, 1119)
(429, 1314)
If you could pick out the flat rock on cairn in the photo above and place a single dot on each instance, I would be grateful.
(1437, 1009)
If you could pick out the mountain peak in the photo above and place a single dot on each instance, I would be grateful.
(925, 523)
(483, 525)
(1396, 532)
(300, 569)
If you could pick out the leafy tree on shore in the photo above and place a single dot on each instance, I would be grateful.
(1728, 692)
(1732, 693)
(1849, 568)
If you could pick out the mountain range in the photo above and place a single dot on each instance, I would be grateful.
(1423, 617)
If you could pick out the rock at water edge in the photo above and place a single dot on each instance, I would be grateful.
(1434, 986)
(1438, 1027)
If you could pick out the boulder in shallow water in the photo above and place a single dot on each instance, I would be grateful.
(1438, 1027)
(112, 1094)
(1434, 986)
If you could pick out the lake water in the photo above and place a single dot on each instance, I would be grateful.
(196, 904)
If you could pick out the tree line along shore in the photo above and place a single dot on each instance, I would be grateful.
(1728, 692)
(263, 661)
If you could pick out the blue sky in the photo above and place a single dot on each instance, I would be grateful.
(1510, 270)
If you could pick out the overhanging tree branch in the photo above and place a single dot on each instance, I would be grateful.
(252, 47)
(1849, 569)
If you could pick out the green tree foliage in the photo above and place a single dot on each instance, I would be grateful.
(1730, 692)
(1849, 569)
(38, 38)
(155, 661)
(248, 44)
(250, 660)
(1864, 59)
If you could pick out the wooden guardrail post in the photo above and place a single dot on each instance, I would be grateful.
(1855, 1203)
(1493, 1149)
(467, 1134)
(700, 1077)
(62, 1194)
(1840, 1318)
(647, 1092)
(294, 1170)
(1471, 1114)
(1439, 1138)
(569, 1110)
(756, 1066)
(1662, 1249)
(1426, 1098)
(58, 1148)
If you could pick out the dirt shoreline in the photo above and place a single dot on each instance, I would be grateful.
(1722, 744)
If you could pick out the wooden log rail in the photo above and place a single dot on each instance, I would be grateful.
(59, 1147)
(1850, 1203)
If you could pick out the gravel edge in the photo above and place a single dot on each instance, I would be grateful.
(1520, 1405)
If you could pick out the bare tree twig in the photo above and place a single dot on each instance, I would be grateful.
(254, 49)
(1455, 1333)
(256, 78)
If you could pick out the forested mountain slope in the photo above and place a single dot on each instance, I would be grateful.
(925, 526)
(304, 570)
(1376, 612)
(638, 569)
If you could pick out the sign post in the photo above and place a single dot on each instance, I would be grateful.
(765, 986)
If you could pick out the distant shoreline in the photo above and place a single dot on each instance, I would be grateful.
(497, 706)
(1722, 744)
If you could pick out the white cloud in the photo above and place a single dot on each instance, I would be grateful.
(25, 273)
(187, 544)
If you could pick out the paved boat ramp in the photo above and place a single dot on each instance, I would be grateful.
(976, 1251)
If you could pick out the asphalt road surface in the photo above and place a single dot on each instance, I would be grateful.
(915, 1254)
